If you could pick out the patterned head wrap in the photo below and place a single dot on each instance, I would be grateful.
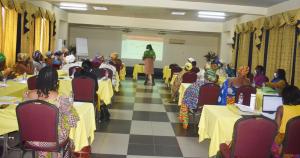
(36, 55)
(188, 66)
(97, 61)
(210, 75)
(114, 55)
(243, 70)
(22, 57)
(49, 54)
(2, 57)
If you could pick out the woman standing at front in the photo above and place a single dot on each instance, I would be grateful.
(149, 58)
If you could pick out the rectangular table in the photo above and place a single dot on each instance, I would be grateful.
(137, 68)
(13, 88)
(216, 123)
(82, 135)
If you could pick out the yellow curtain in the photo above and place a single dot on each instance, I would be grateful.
(10, 36)
(37, 34)
(297, 69)
(52, 37)
(1, 36)
(280, 50)
(258, 53)
(243, 53)
(45, 36)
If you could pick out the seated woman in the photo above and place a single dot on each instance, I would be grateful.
(58, 59)
(23, 65)
(177, 82)
(259, 77)
(49, 58)
(230, 86)
(4, 71)
(38, 62)
(279, 80)
(190, 99)
(290, 109)
(194, 64)
(47, 90)
(116, 62)
(86, 71)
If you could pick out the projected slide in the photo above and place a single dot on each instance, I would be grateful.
(133, 47)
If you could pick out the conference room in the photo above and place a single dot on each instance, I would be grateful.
(149, 78)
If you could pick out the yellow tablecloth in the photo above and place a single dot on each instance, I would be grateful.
(105, 90)
(13, 88)
(166, 74)
(182, 88)
(123, 73)
(173, 78)
(216, 123)
(62, 72)
(82, 135)
(136, 70)
(116, 87)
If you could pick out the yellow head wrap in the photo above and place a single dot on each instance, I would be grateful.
(243, 70)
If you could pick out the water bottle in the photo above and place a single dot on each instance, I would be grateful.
(24, 76)
(36, 71)
(241, 98)
(106, 74)
(71, 97)
(4, 80)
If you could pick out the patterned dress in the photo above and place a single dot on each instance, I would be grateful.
(189, 101)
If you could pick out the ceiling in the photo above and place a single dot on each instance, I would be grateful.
(149, 12)
(257, 3)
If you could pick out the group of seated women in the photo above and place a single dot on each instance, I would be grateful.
(25, 64)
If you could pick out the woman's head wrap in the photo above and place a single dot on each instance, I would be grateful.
(210, 75)
(243, 71)
(2, 57)
(22, 57)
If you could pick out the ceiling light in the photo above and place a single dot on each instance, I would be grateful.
(77, 5)
(178, 13)
(211, 17)
(211, 13)
(100, 8)
(73, 8)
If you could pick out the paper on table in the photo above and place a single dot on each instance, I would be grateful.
(9, 100)
(3, 85)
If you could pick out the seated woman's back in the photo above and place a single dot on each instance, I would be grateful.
(239, 82)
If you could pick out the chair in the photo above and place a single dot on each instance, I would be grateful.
(291, 142)
(247, 91)
(189, 77)
(38, 122)
(252, 137)
(208, 95)
(56, 66)
(31, 82)
(84, 89)
(74, 69)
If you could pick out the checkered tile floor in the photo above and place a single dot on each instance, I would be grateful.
(144, 125)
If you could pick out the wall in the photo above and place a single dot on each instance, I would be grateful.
(182, 25)
(105, 41)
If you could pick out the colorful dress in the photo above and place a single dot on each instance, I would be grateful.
(68, 119)
(189, 101)
(227, 94)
